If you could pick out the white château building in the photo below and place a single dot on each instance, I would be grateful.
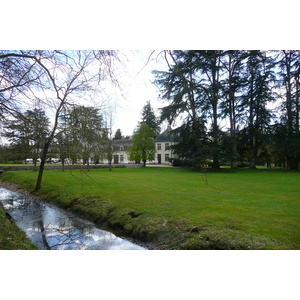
(163, 143)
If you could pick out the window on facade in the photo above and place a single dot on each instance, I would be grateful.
(167, 146)
(121, 158)
(158, 146)
(166, 157)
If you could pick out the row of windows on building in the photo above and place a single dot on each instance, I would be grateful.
(167, 146)
(159, 147)
(116, 158)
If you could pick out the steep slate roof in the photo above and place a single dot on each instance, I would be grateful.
(124, 142)
(167, 136)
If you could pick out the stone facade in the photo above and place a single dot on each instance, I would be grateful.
(163, 143)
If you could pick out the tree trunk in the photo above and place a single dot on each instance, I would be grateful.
(45, 151)
(214, 99)
(252, 164)
(251, 125)
(109, 164)
(292, 159)
(42, 166)
(34, 165)
(233, 133)
(195, 125)
(234, 155)
(232, 122)
(297, 131)
(215, 135)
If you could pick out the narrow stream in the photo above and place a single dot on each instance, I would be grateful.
(52, 228)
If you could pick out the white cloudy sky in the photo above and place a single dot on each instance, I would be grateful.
(157, 25)
(137, 88)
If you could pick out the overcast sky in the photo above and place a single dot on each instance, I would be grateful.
(137, 88)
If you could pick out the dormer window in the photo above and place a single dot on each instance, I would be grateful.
(121, 148)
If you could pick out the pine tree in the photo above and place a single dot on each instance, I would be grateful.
(233, 63)
(84, 131)
(149, 118)
(192, 85)
(256, 94)
(208, 63)
(29, 130)
(289, 63)
(178, 87)
(118, 135)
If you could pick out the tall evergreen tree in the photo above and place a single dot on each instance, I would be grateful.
(149, 118)
(233, 62)
(178, 86)
(208, 64)
(202, 87)
(83, 130)
(193, 86)
(118, 135)
(29, 130)
(289, 63)
(256, 94)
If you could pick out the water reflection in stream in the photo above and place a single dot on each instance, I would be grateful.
(52, 228)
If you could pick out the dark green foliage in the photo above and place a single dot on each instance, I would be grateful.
(193, 162)
(149, 118)
(80, 134)
(193, 142)
(289, 64)
(231, 105)
(27, 133)
(256, 94)
(118, 135)
(204, 87)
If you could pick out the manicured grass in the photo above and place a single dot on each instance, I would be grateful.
(183, 208)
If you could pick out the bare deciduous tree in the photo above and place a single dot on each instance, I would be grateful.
(54, 79)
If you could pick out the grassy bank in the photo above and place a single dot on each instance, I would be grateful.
(177, 208)
(11, 237)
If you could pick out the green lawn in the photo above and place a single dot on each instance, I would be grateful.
(243, 209)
